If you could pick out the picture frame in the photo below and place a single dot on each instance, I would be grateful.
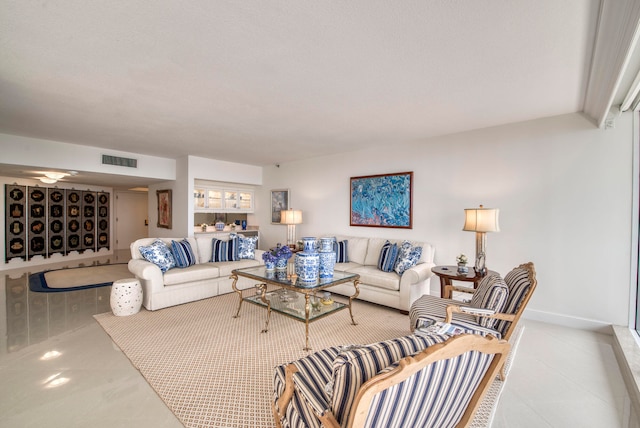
(280, 200)
(164, 208)
(383, 200)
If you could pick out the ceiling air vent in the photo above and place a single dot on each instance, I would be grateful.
(119, 161)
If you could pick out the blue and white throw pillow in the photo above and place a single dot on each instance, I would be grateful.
(183, 253)
(225, 251)
(342, 255)
(159, 254)
(247, 247)
(408, 256)
(388, 256)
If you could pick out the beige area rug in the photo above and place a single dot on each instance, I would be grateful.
(213, 370)
(77, 277)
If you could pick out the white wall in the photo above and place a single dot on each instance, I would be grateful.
(50, 154)
(562, 186)
(189, 169)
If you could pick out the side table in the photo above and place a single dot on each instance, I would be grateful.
(447, 274)
(126, 297)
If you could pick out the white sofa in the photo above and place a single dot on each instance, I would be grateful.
(385, 288)
(182, 285)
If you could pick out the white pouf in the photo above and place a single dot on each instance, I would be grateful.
(126, 297)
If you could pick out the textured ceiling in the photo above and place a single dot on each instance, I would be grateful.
(264, 82)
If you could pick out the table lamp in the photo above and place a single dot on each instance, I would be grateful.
(481, 220)
(291, 217)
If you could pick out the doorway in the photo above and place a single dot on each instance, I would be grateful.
(132, 210)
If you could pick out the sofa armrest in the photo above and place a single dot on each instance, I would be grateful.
(417, 273)
(149, 274)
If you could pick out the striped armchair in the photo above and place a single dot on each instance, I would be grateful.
(502, 303)
(417, 380)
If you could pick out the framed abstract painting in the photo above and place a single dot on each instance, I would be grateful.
(384, 200)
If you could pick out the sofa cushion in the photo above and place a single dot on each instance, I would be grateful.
(492, 293)
(247, 247)
(388, 256)
(342, 251)
(193, 273)
(183, 253)
(354, 367)
(408, 256)
(374, 276)
(373, 250)
(227, 267)
(357, 248)
(203, 246)
(159, 254)
(224, 251)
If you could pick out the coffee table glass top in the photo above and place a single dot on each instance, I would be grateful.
(292, 303)
(281, 278)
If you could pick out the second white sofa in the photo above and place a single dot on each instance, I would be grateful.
(385, 288)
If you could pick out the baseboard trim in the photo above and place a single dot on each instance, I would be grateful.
(627, 352)
(568, 321)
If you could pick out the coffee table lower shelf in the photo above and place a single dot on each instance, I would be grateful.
(291, 299)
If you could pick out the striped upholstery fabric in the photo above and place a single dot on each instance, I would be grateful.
(519, 284)
(316, 369)
(183, 253)
(432, 308)
(446, 388)
(492, 293)
(352, 368)
(342, 253)
(224, 251)
(388, 256)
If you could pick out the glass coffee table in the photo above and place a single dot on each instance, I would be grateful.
(291, 297)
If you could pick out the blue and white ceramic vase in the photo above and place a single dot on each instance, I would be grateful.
(307, 262)
(281, 263)
(271, 266)
(309, 245)
(327, 256)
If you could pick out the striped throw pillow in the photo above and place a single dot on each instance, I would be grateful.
(224, 251)
(492, 293)
(183, 253)
(342, 255)
(388, 256)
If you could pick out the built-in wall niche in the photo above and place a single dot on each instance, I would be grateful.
(46, 221)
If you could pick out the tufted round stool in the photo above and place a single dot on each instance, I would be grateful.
(126, 297)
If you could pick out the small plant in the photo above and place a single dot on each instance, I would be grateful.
(280, 252)
(462, 259)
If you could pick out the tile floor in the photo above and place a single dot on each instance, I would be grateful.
(59, 369)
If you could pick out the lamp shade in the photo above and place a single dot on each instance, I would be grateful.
(481, 219)
(291, 217)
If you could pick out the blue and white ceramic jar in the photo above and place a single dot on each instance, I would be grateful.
(309, 245)
(307, 262)
(281, 263)
(271, 266)
(327, 257)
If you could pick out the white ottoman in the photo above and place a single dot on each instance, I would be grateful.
(126, 297)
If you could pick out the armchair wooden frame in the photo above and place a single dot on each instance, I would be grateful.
(407, 367)
(513, 318)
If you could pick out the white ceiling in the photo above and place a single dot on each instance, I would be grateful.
(263, 82)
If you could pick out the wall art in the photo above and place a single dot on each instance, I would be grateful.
(279, 202)
(384, 200)
(164, 208)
